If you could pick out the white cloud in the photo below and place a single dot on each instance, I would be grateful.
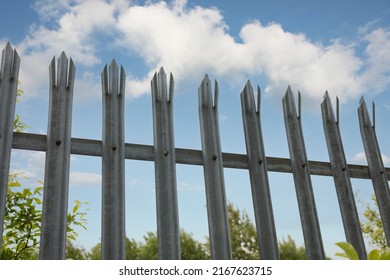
(83, 179)
(70, 26)
(196, 40)
(192, 41)
(361, 158)
(184, 186)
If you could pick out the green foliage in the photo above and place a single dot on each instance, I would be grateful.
(23, 215)
(242, 235)
(372, 227)
(192, 249)
(288, 250)
(22, 223)
(75, 253)
(19, 125)
(350, 253)
(76, 218)
(148, 249)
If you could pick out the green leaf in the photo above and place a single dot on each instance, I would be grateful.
(349, 251)
(38, 190)
(385, 255)
(37, 200)
(75, 208)
(374, 255)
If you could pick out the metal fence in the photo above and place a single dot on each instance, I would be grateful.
(59, 145)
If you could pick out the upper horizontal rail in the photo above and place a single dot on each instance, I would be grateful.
(89, 147)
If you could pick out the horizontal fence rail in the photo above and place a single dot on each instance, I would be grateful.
(113, 151)
(90, 147)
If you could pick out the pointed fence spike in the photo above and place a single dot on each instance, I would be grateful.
(57, 162)
(205, 96)
(9, 71)
(113, 63)
(247, 97)
(362, 101)
(341, 178)
(303, 185)
(375, 166)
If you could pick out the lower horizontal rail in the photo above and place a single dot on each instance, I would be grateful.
(89, 147)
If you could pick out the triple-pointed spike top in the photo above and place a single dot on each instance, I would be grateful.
(289, 103)
(327, 105)
(110, 80)
(159, 85)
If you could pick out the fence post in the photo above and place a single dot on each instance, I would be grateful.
(213, 172)
(9, 73)
(341, 178)
(301, 174)
(257, 165)
(57, 164)
(168, 232)
(376, 167)
(113, 164)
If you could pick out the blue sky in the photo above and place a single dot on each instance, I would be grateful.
(314, 46)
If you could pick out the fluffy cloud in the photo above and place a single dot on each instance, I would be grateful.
(192, 41)
(361, 158)
(83, 179)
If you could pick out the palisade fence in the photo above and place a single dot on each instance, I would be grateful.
(59, 145)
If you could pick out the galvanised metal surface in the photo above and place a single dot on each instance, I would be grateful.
(213, 172)
(303, 186)
(59, 145)
(168, 231)
(9, 73)
(257, 165)
(113, 164)
(57, 164)
(342, 180)
(375, 165)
